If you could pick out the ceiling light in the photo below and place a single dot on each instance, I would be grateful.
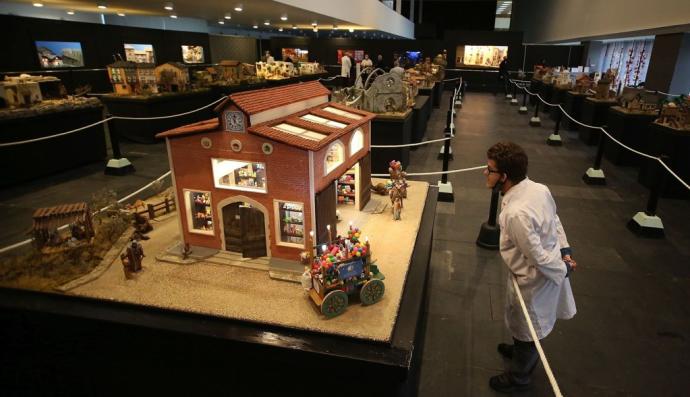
(70, 12)
(267, 22)
(168, 6)
(314, 23)
(102, 6)
(221, 22)
(335, 27)
(283, 17)
(238, 8)
(227, 16)
(280, 29)
(315, 29)
(255, 26)
(173, 16)
(120, 14)
(294, 26)
(38, 4)
(351, 30)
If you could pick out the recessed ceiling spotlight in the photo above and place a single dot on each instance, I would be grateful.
(283, 17)
(267, 22)
(38, 4)
(168, 6)
(294, 27)
(102, 6)
(238, 8)
(120, 14)
(255, 26)
(173, 16)
(70, 12)
(351, 30)
(315, 29)
(335, 27)
(228, 16)
(221, 22)
(314, 23)
(280, 29)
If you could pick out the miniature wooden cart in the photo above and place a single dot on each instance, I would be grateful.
(334, 282)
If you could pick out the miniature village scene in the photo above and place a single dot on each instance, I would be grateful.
(26, 95)
(639, 101)
(675, 113)
(233, 235)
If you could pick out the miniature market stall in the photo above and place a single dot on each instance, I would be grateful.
(50, 237)
(266, 168)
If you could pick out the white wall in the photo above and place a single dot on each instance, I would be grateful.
(369, 13)
(546, 21)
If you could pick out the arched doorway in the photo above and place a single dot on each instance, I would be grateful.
(244, 228)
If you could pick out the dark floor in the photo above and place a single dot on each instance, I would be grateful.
(631, 334)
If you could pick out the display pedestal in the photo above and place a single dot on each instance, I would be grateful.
(546, 92)
(420, 115)
(25, 162)
(144, 131)
(558, 97)
(85, 344)
(535, 87)
(573, 105)
(390, 129)
(594, 112)
(630, 129)
(675, 144)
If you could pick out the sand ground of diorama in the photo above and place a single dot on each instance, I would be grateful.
(251, 295)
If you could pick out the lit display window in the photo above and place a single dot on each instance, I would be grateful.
(334, 157)
(290, 216)
(239, 175)
(357, 141)
(199, 211)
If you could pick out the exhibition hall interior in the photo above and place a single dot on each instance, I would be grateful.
(361, 197)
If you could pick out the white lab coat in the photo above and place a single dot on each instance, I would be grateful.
(346, 64)
(531, 240)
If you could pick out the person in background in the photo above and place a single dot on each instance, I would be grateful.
(534, 246)
(366, 62)
(345, 65)
(503, 74)
(398, 70)
(380, 64)
(269, 57)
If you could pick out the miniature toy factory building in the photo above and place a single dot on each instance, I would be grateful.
(269, 169)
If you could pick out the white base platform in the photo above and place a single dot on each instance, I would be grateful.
(119, 166)
(554, 140)
(535, 121)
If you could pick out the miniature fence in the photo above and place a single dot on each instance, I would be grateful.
(167, 205)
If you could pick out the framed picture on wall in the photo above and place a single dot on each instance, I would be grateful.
(59, 54)
(356, 55)
(140, 53)
(483, 56)
(192, 54)
(296, 54)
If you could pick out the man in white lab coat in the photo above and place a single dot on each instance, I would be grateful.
(346, 64)
(534, 246)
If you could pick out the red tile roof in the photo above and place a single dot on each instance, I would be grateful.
(201, 126)
(252, 102)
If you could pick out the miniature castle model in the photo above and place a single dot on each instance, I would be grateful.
(310, 68)
(386, 94)
(639, 100)
(172, 77)
(676, 114)
(563, 80)
(604, 84)
(262, 174)
(132, 78)
(275, 70)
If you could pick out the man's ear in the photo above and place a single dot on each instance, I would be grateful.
(504, 178)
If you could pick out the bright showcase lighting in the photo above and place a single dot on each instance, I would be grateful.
(38, 4)
(283, 18)
(238, 8)
(168, 6)
(70, 12)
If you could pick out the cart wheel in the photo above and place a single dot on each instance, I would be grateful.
(372, 291)
(334, 303)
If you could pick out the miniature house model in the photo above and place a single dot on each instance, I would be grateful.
(172, 77)
(256, 180)
(21, 91)
(639, 100)
(563, 80)
(676, 114)
(129, 78)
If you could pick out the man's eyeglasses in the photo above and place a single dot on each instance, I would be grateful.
(488, 170)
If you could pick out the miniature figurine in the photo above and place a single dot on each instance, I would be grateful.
(397, 208)
(142, 224)
(186, 251)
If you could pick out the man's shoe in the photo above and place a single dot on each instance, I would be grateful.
(504, 383)
(506, 350)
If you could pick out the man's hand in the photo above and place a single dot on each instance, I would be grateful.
(570, 261)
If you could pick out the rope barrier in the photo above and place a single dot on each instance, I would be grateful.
(603, 130)
(411, 144)
(664, 93)
(106, 120)
(540, 350)
(479, 167)
(329, 78)
(354, 100)
(453, 79)
(28, 241)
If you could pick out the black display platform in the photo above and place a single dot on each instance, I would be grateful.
(144, 131)
(558, 97)
(546, 92)
(675, 144)
(390, 130)
(420, 116)
(594, 112)
(630, 129)
(29, 161)
(535, 87)
(435, 92)
(65, 345)
(573, 105)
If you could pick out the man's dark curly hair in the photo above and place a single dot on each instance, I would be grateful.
(510, 159)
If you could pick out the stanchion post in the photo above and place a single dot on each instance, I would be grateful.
(458, 94)
(446, 151)
(490, 232)
(445, 188)
(555, 138)
(523, 108)
(595, 175)
(117, 165)
(647, 223)
(514, 101)
(535, 121)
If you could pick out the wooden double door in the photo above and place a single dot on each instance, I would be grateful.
(244, 230)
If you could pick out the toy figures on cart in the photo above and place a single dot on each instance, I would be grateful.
(341, 268)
